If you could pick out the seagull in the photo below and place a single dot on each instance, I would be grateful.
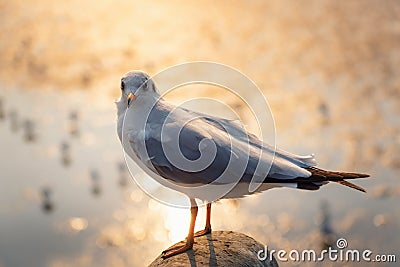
(143, 103)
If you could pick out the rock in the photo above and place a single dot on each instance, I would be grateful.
(220, 248)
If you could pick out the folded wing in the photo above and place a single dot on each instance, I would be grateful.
(232, 143)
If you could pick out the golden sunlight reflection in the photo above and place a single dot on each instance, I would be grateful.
(176, 223)
(153, 205)
(137, 231)
(78, 224)
(329, 69)
(136, 195)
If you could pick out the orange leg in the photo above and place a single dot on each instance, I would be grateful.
(207, 229)
(189, 239)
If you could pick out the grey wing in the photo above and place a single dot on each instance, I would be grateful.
(189, 143)
(285, 164)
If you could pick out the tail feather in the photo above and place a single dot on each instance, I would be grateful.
(320, 175)
(351, 185)
(307, 186)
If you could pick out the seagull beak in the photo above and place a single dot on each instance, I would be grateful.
(131, 97)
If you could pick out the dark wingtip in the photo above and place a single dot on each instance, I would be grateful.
(353, 175)
(351, 185)
(361, 189)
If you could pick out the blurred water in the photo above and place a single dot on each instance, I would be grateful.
(330, 74)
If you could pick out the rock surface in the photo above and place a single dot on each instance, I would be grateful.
(220, 248)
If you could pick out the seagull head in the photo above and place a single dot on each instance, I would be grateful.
(134, 84)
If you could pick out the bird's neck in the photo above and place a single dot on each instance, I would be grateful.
(145, 102)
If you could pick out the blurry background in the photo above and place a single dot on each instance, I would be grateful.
(329, 69)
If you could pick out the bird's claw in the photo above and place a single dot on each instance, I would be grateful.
(171, 248)
(175, 250)
(205, 231)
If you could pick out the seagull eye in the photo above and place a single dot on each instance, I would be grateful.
(122, 85)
